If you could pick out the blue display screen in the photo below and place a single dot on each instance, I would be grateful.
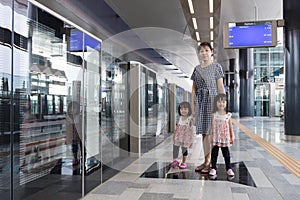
(76, 41)
(250, 34)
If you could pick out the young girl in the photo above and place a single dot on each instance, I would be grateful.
(183, 134)
(221, 134)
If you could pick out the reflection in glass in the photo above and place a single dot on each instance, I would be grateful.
(46, 77)
(268, 73)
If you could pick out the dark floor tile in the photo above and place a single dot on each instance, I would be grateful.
(156, 196)
(161, 170)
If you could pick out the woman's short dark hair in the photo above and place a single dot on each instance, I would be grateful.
(185, 104)
(203, 44)
(220, 96)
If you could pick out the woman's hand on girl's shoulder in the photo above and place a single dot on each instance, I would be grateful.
(192, 121)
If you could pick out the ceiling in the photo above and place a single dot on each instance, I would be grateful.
(160, 33)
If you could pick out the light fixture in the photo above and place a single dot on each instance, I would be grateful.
(211, 22)
(195, 23)
(212, 44)
(199, 43)
(197, 36)
(211, 35)
(191, 6)
(211, 6)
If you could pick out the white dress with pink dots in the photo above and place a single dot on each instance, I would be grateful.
(220, 130)
(184, 134)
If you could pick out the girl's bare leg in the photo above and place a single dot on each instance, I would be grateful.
(184, 159)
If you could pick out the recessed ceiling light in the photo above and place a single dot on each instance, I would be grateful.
(197, 36)
(211, 6)
(195, 23)
(211, 22)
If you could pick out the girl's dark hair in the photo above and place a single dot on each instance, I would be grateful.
(203, 44)
(220, 96)
(185, 104)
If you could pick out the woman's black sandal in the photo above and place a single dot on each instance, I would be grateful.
(205, 170)
(200, 168)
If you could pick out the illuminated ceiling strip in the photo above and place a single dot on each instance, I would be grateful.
(191, 6)
(211, 6)
(211, 35)
(197, 36)
(211, 23)
(195, 23)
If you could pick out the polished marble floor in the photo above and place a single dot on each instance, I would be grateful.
(259, 175)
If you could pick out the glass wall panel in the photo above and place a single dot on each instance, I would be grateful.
(9, 134)
(92, 101)
(143, 103)
(64, 107)
(50, 93)
(268, 68)
(261, 100)
(115, 112)
(53, 143)
(163, 108)
(149, 109)
(154, 106)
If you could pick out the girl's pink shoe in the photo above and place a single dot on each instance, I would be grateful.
(230, 172)
(175, 163)
(212, 172)
(182, 166)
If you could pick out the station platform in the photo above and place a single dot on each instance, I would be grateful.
(265, 161)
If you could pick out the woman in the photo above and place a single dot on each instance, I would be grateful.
(207, 83)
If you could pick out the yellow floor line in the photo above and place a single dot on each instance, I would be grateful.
(287, 161)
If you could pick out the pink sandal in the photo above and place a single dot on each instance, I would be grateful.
(174, 164)
(182, 166)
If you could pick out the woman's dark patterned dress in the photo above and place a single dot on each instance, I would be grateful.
(206, 89)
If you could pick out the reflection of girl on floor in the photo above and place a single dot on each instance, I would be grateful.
(73, 129)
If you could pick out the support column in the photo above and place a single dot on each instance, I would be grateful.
(292, 71)
(134, 103)
(246, 83)
(172, 107)
(233, 87)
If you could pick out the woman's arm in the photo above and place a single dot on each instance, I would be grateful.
(232, 136)
(211, 129)
(220, 85)
(193, 98)
(192, 122)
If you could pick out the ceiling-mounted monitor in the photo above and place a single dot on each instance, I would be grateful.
(250, 34)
